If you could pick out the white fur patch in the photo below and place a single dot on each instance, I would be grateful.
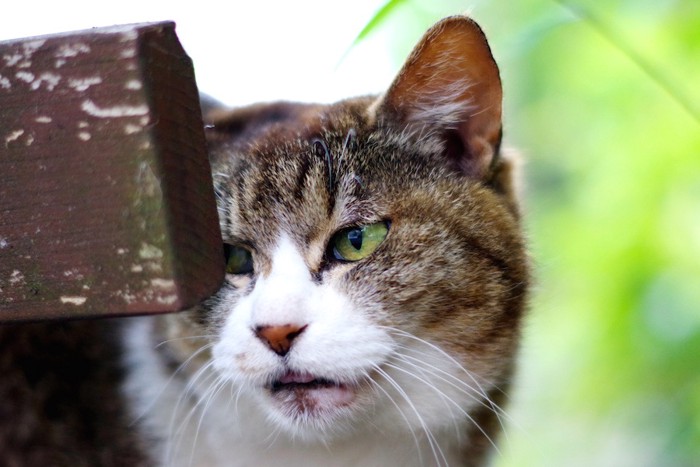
(338, 343)
(281, 297)
(412, 413)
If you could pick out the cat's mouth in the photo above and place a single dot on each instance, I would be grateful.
(302, 393)
(293, 379)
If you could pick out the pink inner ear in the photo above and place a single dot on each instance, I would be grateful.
(450, 85)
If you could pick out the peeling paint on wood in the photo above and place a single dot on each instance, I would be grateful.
(106, 199)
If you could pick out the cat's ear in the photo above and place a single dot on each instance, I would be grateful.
(450, 88)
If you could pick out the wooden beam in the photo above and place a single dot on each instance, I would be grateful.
(106, 198)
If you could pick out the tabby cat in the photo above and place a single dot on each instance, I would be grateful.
(376, 279)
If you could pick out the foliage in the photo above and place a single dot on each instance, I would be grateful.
(603, 99)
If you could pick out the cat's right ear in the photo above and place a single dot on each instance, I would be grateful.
(450, 88)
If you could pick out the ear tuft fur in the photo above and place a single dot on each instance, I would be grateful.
(450, 86)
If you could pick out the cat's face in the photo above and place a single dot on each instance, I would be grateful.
(375, 268)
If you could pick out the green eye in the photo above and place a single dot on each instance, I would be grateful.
(238, 259)
(356, 243)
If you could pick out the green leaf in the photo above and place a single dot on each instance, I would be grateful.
(379, 17)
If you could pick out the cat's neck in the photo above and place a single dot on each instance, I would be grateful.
(232, 444)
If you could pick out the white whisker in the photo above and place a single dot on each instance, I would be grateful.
(453, 381)
(434, 446)
(442, 352)
(485, 399)
(447, 398)
(211, 393)
(189, 390)
(174, 339)
(403, 415)
(152, 403)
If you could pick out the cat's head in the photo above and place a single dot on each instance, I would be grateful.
(376, 273)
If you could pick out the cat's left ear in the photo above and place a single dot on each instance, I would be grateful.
(450, 87)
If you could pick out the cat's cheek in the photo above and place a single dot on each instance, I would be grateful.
(342, 341)
(236, 355)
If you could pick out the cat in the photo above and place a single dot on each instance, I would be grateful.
(376, 281)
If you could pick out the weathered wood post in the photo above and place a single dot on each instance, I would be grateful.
(106, 199)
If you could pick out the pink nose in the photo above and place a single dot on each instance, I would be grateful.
(279, 338)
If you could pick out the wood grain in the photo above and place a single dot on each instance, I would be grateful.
(106, 199)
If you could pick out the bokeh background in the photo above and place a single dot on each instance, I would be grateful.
(603, 99)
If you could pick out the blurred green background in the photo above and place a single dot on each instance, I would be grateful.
(603, 99)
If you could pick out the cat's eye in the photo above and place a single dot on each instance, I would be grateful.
(239, 260)
(356, 243)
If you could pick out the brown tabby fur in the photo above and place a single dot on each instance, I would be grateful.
(453, 270)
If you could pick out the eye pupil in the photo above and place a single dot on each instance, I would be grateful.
(356, 243)
(355, 238)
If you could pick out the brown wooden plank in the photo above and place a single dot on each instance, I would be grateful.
(106, 199)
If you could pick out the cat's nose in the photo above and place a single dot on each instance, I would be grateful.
(279, 338)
